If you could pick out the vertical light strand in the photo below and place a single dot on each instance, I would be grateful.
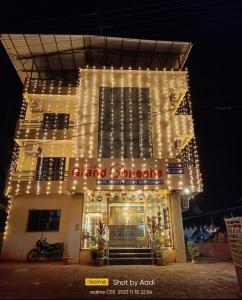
(57, 143)
(130, 113)
(149, 114)
(194, 144)
(122, 119)
(175, 128)
(101, 114)
(112, 114)
(42, 105)
(157, 120)
(6, 227)
(141, 116)
(76, 118)
(91, 112)
(167, 116)
(84, 118)
(21, 160)
(13, 165)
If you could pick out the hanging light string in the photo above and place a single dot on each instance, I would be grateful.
(130, 120)
(145, 115)
(156, 114)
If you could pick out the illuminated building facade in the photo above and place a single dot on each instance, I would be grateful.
(105, 133)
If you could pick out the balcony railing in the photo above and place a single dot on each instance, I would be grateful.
(33, 129)
(55, 87)
(35, 124)
(29, 176)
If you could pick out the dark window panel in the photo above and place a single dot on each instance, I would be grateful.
(43, 220)
(135, 103)
(50, 168)
(56, 121)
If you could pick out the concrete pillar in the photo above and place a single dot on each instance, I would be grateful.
(177, 225)
(74, 231)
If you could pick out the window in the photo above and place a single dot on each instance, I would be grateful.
(50, 168)
(56, 121)
(125, 122)
(44, 220)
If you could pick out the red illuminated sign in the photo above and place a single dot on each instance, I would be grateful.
(115, 171)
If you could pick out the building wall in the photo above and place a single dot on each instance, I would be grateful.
(81, 141)
(165, 124)
(18, 242)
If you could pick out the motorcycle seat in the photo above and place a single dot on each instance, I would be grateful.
(56, 244)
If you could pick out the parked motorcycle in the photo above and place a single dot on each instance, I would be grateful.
(43, 248)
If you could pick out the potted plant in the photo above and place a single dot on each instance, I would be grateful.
(159, 257)
(67, 258)
(93, 252)
(158, 243)
(100, 251)
(100, 244)
(193, 250)
(100, 258)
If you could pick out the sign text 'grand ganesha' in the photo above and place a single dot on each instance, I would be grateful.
(131, 174)
(116, 170)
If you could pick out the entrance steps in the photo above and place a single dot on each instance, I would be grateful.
(130, 256)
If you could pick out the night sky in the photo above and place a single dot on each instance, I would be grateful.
(215, 65)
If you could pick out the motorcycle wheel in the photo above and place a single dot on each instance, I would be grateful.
(33, 255)
(58, 255)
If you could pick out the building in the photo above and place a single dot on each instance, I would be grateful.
(105, 133)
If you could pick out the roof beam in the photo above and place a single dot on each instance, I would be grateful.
(85, 53)
(153, 53)
(106, 50)
(34, 62)
(46, 56)
(137, 53)
(53, 70)
(90, 50)
(168, 54)
(58, 52)
(144, 53)
(121, 53)
(9, 36)
(73, 56)
(189, 46)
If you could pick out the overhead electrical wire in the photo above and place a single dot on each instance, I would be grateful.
(173, 6)
(155, 114)
(148, 12)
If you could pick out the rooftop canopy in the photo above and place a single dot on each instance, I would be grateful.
(51, 56)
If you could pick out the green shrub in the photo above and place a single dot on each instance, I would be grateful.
(93, 252)
(159, 254)
(193, 249)
(100, 243)
(100, 254)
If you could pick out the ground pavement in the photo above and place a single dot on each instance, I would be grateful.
(43, 280)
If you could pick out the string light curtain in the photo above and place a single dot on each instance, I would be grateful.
(125, 122)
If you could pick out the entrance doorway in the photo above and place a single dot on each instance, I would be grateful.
(126, 225)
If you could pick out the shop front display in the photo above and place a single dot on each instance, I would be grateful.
(130, 217)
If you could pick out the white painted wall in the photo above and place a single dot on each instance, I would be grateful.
(177, 226)
(18, 242)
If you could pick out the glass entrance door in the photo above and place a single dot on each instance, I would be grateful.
(126, 225)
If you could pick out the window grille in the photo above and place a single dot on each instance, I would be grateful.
(56, 121)
(43, 220)
(124, 122)
(50, 168)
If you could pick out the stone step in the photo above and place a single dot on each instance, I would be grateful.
(130, 261)
(130, 255)
(130, 250)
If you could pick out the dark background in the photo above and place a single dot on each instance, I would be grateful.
(215, 64)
